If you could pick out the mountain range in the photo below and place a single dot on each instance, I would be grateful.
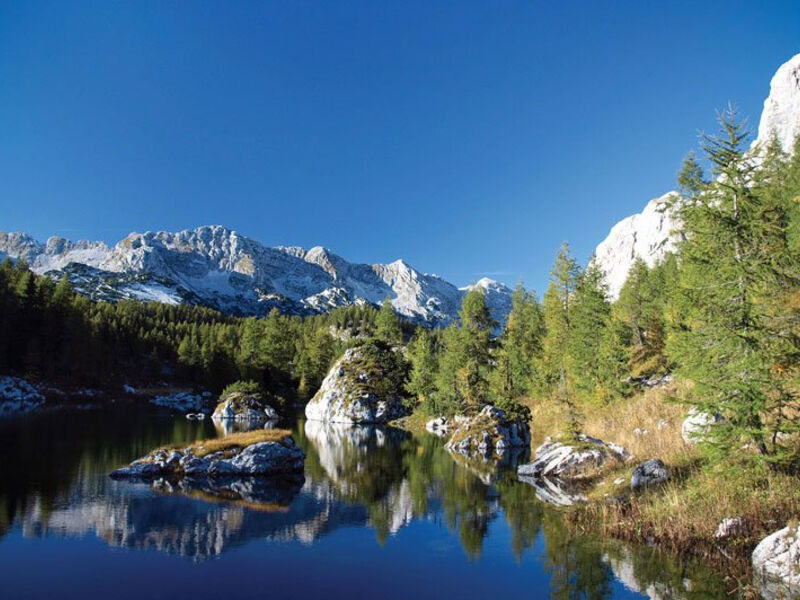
(217, 267)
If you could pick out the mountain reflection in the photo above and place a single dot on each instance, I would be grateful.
(367, 477)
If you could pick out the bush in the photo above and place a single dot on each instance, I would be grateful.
(241, 387)
(514, 410)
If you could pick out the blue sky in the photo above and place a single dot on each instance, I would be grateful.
(470, 138)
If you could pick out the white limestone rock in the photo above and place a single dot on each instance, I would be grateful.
(261, 458)
(563, 460)
(776, 561)
(251, 408)
(781, 113)
(488, 433)
(730, 527)
(647, 235)
(696, 425)
(343, 395)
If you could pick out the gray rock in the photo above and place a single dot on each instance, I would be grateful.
(695, 427)
(730, 527)
(245, 408)
(776, 561)
(650, 472)
(340, 400)
(488, 433)
(262, 458)
(558, 459)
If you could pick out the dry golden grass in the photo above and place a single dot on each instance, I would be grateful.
(235, 441)
(683, 514)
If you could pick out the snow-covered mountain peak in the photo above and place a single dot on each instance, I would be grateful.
(218, 267)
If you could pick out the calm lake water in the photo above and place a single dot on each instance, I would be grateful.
(380, 513)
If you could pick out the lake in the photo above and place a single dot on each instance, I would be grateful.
(380, 513)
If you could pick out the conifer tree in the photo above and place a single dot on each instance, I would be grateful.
(557, 307)
(736, 259)
(387, 325)
(422, 375)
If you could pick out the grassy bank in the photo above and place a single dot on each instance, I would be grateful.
(683, 514)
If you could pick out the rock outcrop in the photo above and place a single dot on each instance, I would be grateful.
(440, 426)
(650, 472)
(579, 459)
(362, 387)
(276, 454)
(250, 408)
(776, 562)
(651, 234)
(17, 396)
(489, 433)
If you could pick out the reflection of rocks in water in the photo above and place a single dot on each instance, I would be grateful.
(259, 493)
(554, 491)
(624, 568)
(365, 464)
(225, 427)
(490, 469)
(188, 524)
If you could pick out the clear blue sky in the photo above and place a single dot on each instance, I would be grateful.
(470, 138)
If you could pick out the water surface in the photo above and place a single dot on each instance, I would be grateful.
(378, 513)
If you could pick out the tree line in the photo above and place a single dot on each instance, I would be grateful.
(722, 311)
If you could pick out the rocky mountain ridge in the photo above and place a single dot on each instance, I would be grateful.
(220, 268)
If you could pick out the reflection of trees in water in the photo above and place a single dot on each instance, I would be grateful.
(53, 450)
(575, 563)
(381, 477)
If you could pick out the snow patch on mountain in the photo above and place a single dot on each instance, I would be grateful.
(217, 267)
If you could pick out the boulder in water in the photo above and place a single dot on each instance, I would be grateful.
(581, 458)
(363, 387)
(490, 432)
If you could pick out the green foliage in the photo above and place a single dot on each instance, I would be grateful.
(241, 387)
(387, 325)
(424, 364)
(738, 335)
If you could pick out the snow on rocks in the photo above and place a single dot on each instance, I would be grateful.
(345, 396)
(573, 460)
(650, 472)
(17, 396)
(776, 561)
(695, 427)
(181, 401)
(490, 432)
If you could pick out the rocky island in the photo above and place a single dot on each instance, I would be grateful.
(253, 453)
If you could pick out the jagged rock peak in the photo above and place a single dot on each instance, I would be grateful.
(781, 113)
(650, 235)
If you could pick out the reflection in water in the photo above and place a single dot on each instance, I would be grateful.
(363, 477)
